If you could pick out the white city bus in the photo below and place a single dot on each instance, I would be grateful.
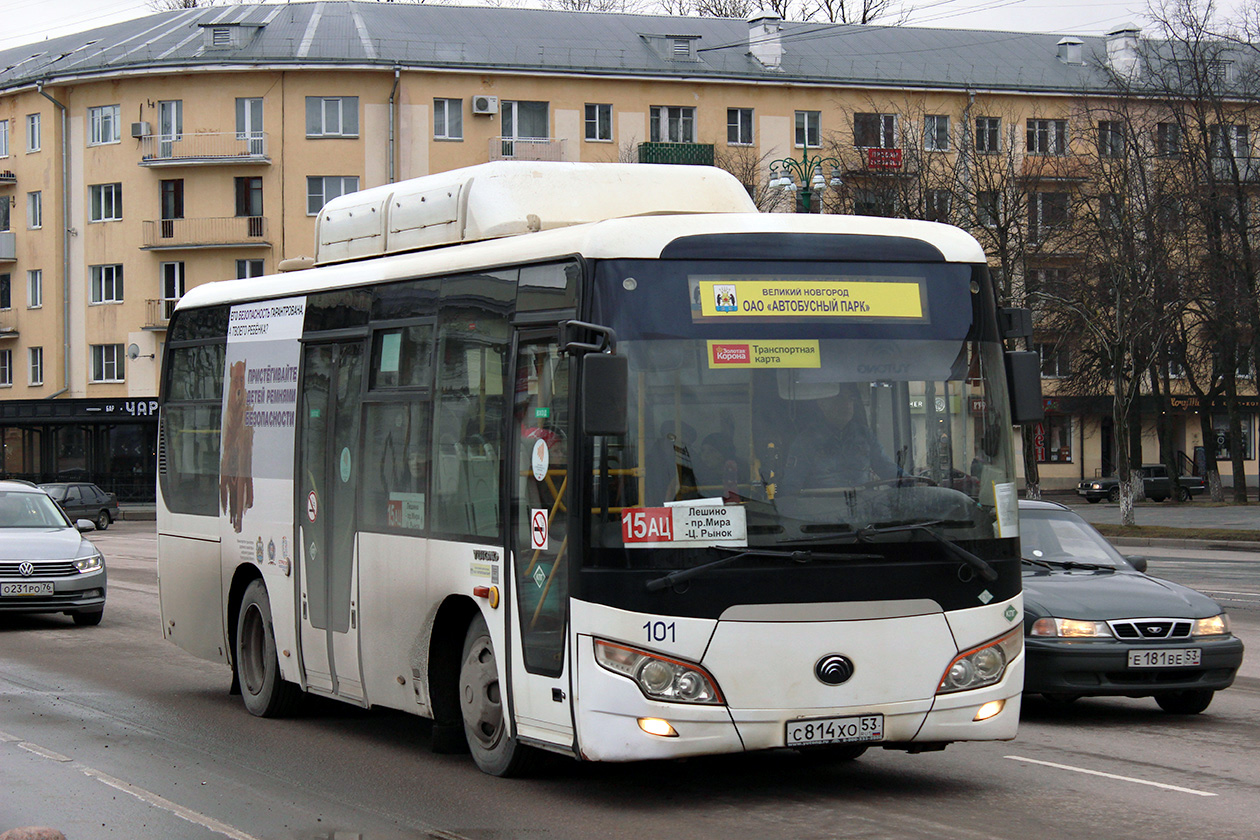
(549, 453)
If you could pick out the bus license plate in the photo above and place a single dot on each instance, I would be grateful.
(44, 588)
(1172, 658)
(840, 730)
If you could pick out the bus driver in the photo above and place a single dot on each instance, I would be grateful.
(837, 449)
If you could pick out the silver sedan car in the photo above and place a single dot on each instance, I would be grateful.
(46, 565)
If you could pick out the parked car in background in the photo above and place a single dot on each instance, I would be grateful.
(1155, 480)
(1096, 625)
(46, 565)
(83, 500)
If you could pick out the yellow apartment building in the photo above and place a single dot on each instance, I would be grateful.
(144, 158)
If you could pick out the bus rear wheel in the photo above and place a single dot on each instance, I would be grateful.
(481, 706)
(265, 692)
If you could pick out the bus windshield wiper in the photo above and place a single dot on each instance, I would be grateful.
(976, 562)
(801, 556)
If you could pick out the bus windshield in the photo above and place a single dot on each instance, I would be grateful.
(796, 428)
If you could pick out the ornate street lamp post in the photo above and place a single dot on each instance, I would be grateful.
(810, 172)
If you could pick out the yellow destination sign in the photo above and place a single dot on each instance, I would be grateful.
(790, 353)
(727, 298)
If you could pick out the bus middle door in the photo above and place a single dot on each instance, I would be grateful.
(539, 543)
(328, 447)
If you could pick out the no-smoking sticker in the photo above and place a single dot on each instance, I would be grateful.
(538, 529)
(312, 506)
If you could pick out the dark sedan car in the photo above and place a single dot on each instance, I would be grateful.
(1096, 625)
(46, 565)
(81, 500)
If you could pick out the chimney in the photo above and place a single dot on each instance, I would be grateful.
(1070, 50)
(1122, 50)
(764, 42)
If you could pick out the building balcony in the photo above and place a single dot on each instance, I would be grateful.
(158, 313)
(1051, 168)
(700, 154)
(8, 324)
(228, 232)
(7, 177)
(8, 246)
(204, 149)
(514, 148)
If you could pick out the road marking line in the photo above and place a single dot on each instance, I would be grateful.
(156, 801)
(46, 753)
(1110, 775)
(6, 738)
(1224, 592)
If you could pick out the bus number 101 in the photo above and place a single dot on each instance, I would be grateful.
(659, 631)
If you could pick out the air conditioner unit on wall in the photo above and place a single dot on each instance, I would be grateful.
(140, 129)
(485, 105)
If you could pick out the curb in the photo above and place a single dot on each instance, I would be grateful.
(1174, 542)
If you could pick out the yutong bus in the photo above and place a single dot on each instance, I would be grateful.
(594, 458)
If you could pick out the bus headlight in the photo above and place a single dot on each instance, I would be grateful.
(982, 665)
(659, 677)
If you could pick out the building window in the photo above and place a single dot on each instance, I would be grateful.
(448, 119)
(671, 124)
(107, 363)
(6, 291)
(249, 204)
(32, 132)
(739, 126)
(172, 286)
(249, 123)
(936, 133)
(1055, 361)
(249, 268)
(1052, 439)
(1110, 139)
(6, 368)
(105, 202)
(34, 210)
(104, 125)
(321, 189)
(107, 283)
(332, 116)
(1046, 210)
(170, 124)
(868, 202)
(1168, 139)
(4, 138)
(1044, 284)
(989, 208)
(875, 131)
(1047, 137)
(1224, 445)
(598, 122)
(34, 288)
(4, 215)
(988, 135)
(35, 357)
(1110, 211)
(938, 204)
(1229, 141)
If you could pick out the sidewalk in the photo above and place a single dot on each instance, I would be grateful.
(1197, 514)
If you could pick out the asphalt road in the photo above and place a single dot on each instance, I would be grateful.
(112, 732)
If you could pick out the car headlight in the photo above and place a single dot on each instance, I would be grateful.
(91, 563)
(983, 665)
(1070, 628)
(659, 677)
(1217, 625)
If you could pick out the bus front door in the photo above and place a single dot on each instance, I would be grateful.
(540, 547)
(328, 469)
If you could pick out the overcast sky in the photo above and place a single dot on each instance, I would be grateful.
(29, 21)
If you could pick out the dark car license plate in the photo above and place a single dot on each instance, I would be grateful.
(1171, 658)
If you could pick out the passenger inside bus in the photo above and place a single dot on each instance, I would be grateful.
(836, 447)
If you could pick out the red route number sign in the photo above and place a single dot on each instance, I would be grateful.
(641, 525)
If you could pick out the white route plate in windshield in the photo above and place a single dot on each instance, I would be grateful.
(685, 525)
(1169, 658)
(837, 730)
(42, 588)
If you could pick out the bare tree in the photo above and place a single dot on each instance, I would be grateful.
(178, 5)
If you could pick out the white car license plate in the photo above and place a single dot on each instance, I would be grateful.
(42, 588)
(838, 730)
(1171, 658)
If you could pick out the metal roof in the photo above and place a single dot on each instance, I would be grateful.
(488, 39)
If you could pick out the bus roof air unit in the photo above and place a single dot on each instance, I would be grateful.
(508, 198)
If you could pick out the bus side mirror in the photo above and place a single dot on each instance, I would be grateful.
(1023, 380)
(605, 394)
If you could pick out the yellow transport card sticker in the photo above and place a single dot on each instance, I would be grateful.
(787, 353)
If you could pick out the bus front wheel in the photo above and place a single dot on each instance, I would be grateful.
(265, 692)
(481, 705)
